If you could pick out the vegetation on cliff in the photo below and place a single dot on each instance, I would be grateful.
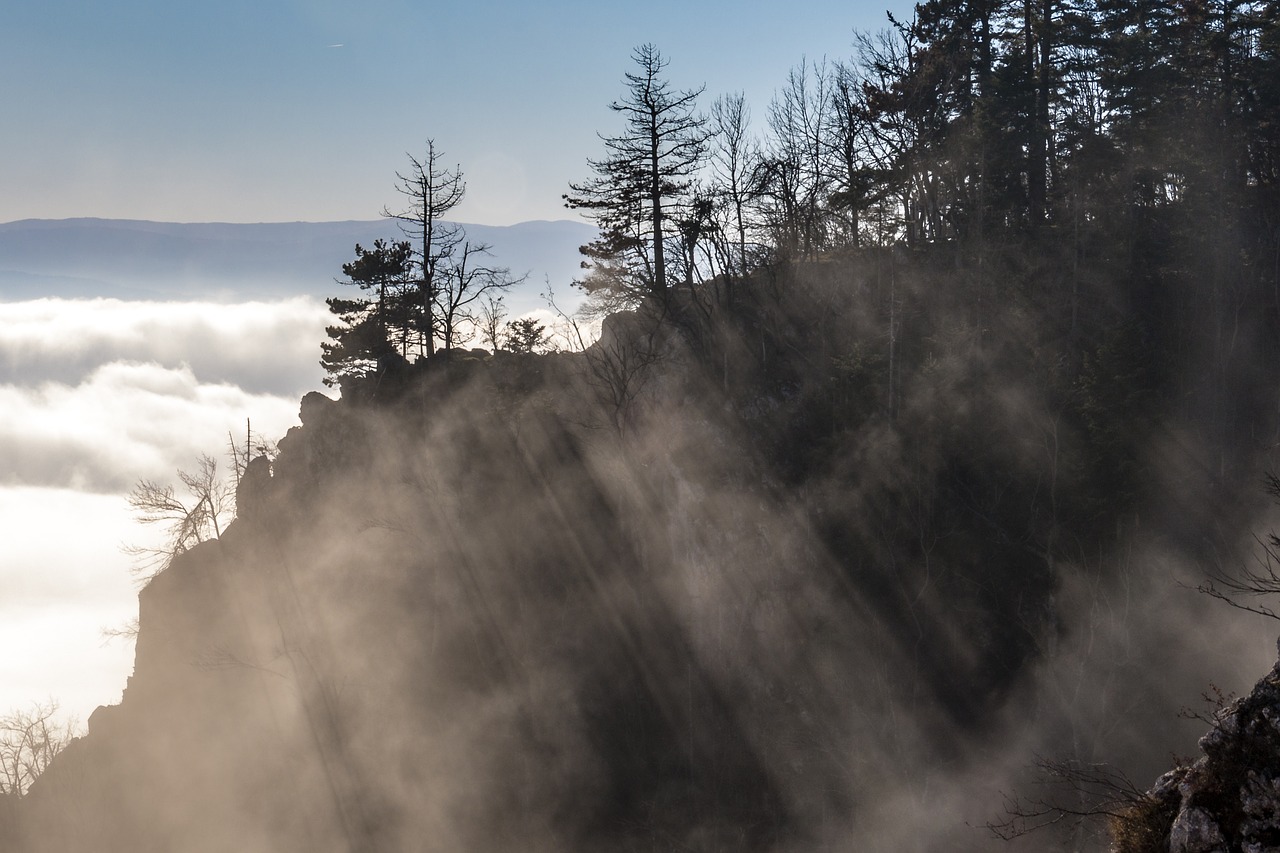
(894, 415)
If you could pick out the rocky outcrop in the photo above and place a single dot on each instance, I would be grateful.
(1229, 799)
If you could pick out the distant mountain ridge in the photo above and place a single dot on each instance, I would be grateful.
(139, 259)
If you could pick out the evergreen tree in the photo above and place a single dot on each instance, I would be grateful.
(371, 331)
(641, 183)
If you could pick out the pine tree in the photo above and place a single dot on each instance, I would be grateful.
(641, 182)
(366, 337)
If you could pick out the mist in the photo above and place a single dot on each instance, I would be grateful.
(480, 606)
(96, 395)
(908, 428)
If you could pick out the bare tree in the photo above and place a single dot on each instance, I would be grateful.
(621, 363)
(188, 520)
(1074, 795)
(432, 191)
(733, 160)
(462, 284)
(570, 332)
(254, 445)
(1255, 582)
(29, 741)
(492, 314)
(854, 173)
(795, 179)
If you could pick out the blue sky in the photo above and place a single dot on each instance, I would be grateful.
(246, 111)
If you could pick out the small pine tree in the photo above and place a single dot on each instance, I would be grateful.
(370, 331)
(526, 336)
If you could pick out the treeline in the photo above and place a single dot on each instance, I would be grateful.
(1085, 193)
(1082, 195)
(1118, 162)
(967, 125)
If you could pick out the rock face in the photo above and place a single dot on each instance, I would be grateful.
(1229, 799)
(401, 644)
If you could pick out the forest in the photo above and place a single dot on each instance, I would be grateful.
(868, 504)
(1103, 172)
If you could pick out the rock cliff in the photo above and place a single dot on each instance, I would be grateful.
(1227, 800)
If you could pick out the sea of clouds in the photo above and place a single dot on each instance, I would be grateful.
(96, 394)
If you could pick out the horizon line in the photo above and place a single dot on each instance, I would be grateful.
(269, 222)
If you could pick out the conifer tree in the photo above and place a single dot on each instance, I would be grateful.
(369, 328)
(641, 182)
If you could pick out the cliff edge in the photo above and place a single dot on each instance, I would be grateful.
(1229, 798)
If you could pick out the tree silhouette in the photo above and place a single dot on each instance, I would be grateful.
(371, 330)
(525, 335)
(188, 520)
(460, 286)
(643, 176)
(431, 190)
(29, 741)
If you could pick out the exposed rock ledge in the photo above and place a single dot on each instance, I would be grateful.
(1229, 799)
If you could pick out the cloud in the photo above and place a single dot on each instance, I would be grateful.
(125, 421)
(63, 578)
(263, 347)
(95, 395)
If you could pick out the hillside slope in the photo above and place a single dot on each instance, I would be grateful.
(711, 585)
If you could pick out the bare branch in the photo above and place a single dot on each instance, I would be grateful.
(188, 523)
(29, 741)
(1075, 791)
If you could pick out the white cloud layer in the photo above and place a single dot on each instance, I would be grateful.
(263, 347)
(123, 422)
(64, 579)
(94, 395)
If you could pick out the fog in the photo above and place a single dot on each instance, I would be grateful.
(490, 614)
(640, 630)
(95, 395)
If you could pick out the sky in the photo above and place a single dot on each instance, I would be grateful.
(285, 110)
(273, 110)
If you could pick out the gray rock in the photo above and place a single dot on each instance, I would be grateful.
(1194, 831)
(1229, 798)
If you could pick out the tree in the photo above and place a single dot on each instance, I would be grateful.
(526, 335)
(254, 445)
(643, 176)
(794, 178)
(188, 522)
(432, 191)
(461, 284)
(853, 171)
(1257, 582)
(29, 741)
(734, 157)
(363, 339)
(492, 313)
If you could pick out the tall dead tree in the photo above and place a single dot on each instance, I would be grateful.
(431, 190)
